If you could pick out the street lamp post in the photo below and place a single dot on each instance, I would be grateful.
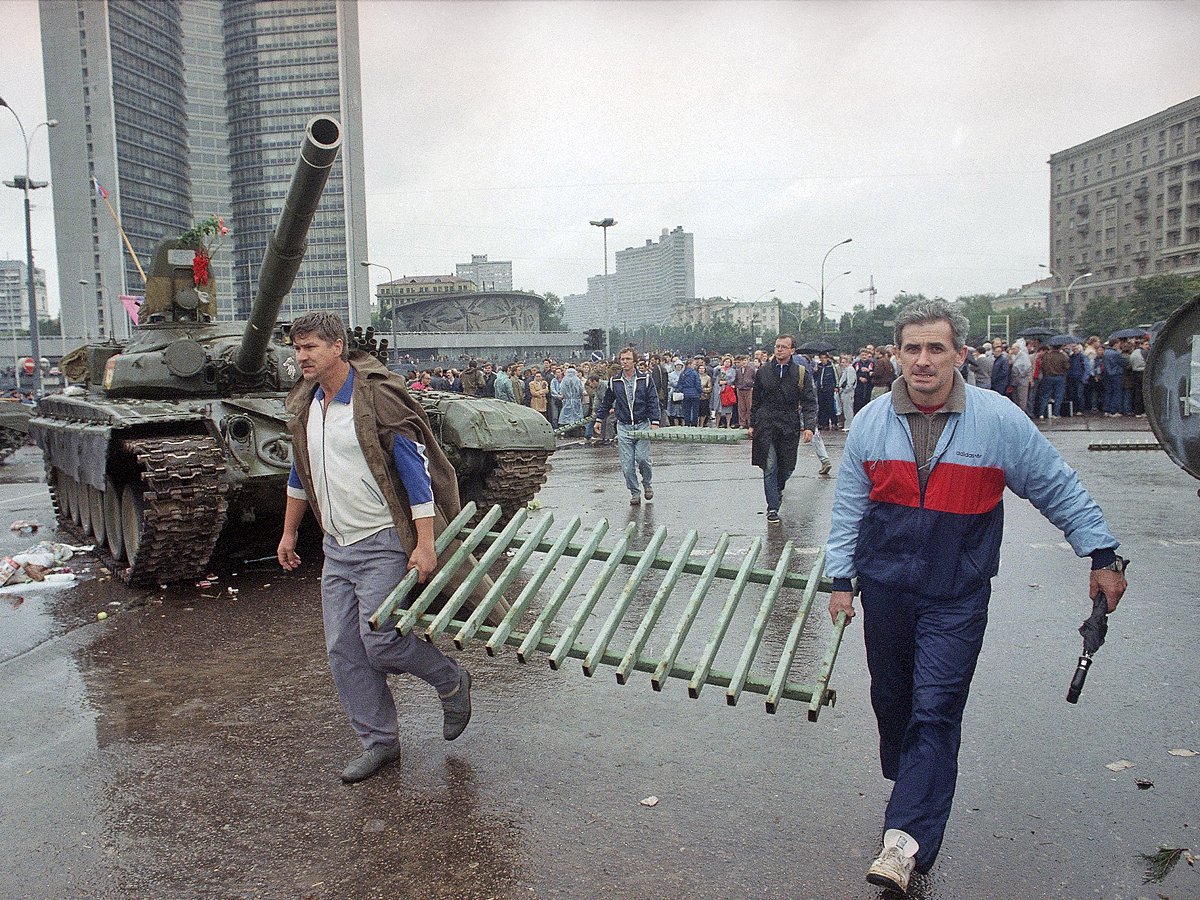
(1066, 291)
(366, 264)
(25, 184)
(821, 326)
(604, 225)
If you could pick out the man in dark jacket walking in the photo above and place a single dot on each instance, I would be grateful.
(784, 405)
(633, 397)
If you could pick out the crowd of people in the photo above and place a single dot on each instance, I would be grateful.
(1069, 379)
(715, 390)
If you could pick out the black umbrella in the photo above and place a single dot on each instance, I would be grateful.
(1060, 340)
(1127, 333)
(1037, 331)
(815, 347)
(1094, 629)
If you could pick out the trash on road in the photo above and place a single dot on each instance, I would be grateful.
(1120, 765)
(21, 526)
(41, 562)
(1183, 752)
(650, 801)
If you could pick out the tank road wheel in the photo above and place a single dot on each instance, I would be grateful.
(73, 499)
(132, 507)
(113, 526)
(83, 498)
(96, 512)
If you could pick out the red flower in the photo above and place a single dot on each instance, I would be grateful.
(200, 268)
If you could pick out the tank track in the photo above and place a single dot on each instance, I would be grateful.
(514, 480)
(184, 509)
(11, 441)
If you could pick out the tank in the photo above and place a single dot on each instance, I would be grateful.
(1171, 386)
(14, 427)
(172, 448)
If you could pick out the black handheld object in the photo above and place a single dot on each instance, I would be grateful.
(1085, 662)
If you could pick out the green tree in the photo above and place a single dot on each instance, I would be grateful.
(551, 310)
(1104, 315)
(1158, 296)
(48, 327)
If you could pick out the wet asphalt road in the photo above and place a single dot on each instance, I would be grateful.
(188, 745)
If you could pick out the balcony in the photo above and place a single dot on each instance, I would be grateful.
(1083, 226)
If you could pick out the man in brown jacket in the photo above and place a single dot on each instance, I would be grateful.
(366, 460)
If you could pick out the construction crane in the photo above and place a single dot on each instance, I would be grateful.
(870, 291)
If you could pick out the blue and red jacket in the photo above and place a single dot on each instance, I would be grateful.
(945, 541)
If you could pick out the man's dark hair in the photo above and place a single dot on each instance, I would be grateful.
(926, 312)
(790, 337)
(323, 325)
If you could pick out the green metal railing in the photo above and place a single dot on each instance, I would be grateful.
(691, 434)
(554, 584)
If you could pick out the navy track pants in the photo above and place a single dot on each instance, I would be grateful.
(921, 653)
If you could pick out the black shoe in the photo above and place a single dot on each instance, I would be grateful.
(773, 516)
(370, 762)
(635, 499)
(456, 709)
(649, 493)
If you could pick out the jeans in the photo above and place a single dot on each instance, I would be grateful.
(774, 479)
(691, 410)
(1054, 388)
(819, 446)
(1114, 398)
(634, 456)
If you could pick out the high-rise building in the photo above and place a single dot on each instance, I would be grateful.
(14, 296)
(1126, 205)
(177, 111)
(647, 285)
(653, 278)
(488, 276)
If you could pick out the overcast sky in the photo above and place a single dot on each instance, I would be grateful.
(770, 131)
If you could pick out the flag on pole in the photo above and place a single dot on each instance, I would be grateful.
(100, 191)
(132, 305)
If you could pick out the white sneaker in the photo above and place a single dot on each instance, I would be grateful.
(894, 865)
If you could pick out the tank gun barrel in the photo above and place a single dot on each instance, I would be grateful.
(285, 250)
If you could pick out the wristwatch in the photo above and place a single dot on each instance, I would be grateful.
(1118, 565)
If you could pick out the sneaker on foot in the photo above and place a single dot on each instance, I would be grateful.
(370, 762)
(773, 516)
(456, 707)
(635, 499)
(826, 466)
(894, 865)
(649, 492)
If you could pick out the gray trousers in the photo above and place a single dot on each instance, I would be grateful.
(355, 580)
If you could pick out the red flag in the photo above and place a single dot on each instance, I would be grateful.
(103, 194)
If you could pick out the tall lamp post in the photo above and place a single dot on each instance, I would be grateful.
(605, 224)
(821, 325)
(1066, 291)
(366, 264)
(25, 184)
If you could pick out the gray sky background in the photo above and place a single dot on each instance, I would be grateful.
(769, 130)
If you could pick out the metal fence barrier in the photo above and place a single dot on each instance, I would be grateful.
(603, 616)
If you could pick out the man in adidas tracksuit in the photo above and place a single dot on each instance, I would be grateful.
(918, 519)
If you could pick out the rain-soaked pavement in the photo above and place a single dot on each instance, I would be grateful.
(188, 745)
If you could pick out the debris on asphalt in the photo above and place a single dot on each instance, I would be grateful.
(102, 616)
(1144, 784)
(41, 562)
(1120, 765)
(1160, 863)
(650, 801)
(21, 526)
(1183, 752)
